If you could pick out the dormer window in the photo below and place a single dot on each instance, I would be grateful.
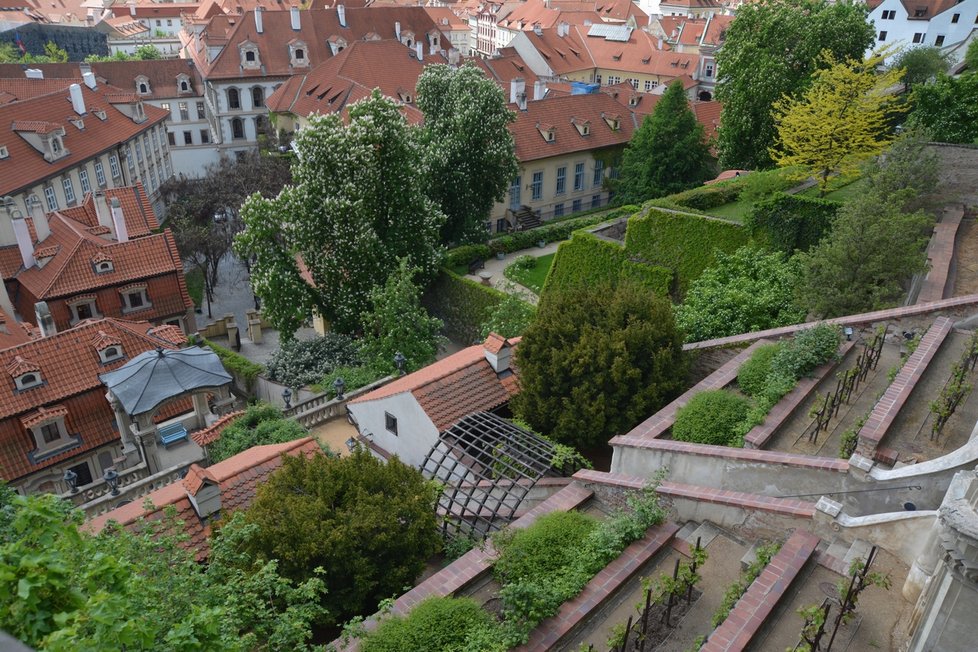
(405, 96)
(83, 307)
(3, 152)
(47, 425)
(183, 84)
(27, 381)
(111, 354)
(25, 373)
(134, 298)
(249, 56)
(548, 132)
(583, 126)
(613, 120)
(103, 267)
(297, 54)
(100, 114)
(142, 85)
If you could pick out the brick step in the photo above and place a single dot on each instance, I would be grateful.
(748, 615)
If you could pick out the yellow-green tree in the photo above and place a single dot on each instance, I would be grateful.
(840, 121)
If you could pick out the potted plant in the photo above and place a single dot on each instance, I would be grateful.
(541, 243)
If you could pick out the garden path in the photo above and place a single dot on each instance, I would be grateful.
(495, 267)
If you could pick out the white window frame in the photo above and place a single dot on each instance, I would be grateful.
(69, 189)
(104, 356)
(21, 382)
(51, 197)
(83, 177)
(114, 166)
(73, 307)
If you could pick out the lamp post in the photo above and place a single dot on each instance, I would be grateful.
(399, 362)
(111, 477)
(287, 397)
(339, 385)
(351, 444)
(71, 479)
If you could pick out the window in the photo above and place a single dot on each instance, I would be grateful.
(918, 37)
(889, 14)
(188, 138)
(110, 354)
(83, 177)
(159, 24)
(83, 473)
(882, 36)
(655, 83)
(258, 97)
(955, 18)
(390, 422)
(939, 41)
(708, 71)
(103, 267)
(143, 88)
(234, 98)
(648, 85)
(99, 173)
(595, 201)
(165, 106)
(50, 432)
(537, 186)
(184, 111)
(134, 298)
(598, 174)
(614, 79)
(514, 193)
(205, 136)
(561, 181)
(300, 54)
(139, 151)
(576, 206)
(69, 189)
(250, 56)
(501, 225)
(171, 138)
(634, 83)
(237, 128)
(597, 79)
(28, 380)
(130, 160)
(559, 210)
(169, 22)
(51, 198)
(114, 166)
(152, 180)
(578, 176)
(200, 110)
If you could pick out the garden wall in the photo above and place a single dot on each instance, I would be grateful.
(462, 304)
(587, 259)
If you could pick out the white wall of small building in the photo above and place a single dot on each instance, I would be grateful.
(954, 25)
(416, 434)
(899, 30)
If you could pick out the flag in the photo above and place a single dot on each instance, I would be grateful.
(20, 44)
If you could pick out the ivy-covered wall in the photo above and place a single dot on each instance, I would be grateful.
(586, 259)
(462, 304)
(788, 222)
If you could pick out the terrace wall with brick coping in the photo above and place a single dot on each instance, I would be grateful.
(661, 421)
(757, 604)
(940, 252)
(954, 307)
(901, 533)
(474, 564)
(600, 589)
(785, 408)
(896, 395)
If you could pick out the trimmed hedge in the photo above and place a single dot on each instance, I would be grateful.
(708, 196)
(237, 364)
(789, 222)
(589, 260)
(711, 417)
(466, 254)
(752, 375)
(536, 553)
(463, 305)
(684, 243)
(436, 625)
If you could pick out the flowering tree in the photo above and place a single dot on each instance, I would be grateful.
(471, 157)
(355, 208)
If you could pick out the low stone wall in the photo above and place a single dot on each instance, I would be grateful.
(940, 252)
(900, 533)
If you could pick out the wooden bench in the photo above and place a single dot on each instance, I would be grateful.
(476, 264)
(171, 434)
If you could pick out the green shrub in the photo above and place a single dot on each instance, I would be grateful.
(789, 222)
(711, 417)
(261, 424)
(808, 349)
(195, 286)
(708, 196)
(509, 318)
(555, 231)
(758, 186)
(237, 364)
(463, 305)
(435, 625)
(752, 375)
(524, 262)
(535, 553)
(299, 363)
(586, 259)
(353, 379)
(466, 254)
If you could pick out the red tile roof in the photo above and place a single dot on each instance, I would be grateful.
(25, 166)
(238, 477)
(559, 111)
(136, 210)
(197, 476)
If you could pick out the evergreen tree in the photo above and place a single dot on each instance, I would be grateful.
(770, 50)
(667, 154)
(354, 210)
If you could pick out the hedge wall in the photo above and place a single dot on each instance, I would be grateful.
(586, 259)
(789, 222)
(684, 243)
(706, 197)
(462, 304)
(237, 365)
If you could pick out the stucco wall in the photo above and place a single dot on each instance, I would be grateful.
(416, 434)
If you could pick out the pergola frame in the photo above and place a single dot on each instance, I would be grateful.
(488, 466)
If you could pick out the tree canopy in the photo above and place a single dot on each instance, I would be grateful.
(470, 156)
(667, 154)
(261, 424)
(596, 361)
(947, 108)
(368, 524)
(354, 210)
(745, 291)
(62, 588)
(770, 50)
(838, 122)
(920, 65)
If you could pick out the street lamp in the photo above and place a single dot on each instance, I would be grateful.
(71, 479)
(351, 444)
(339, 385)
(111, 477)
(399, 361)
(287, 397)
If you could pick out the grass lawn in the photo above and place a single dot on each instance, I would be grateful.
(531, 278)
(735, 210)
(195, 286)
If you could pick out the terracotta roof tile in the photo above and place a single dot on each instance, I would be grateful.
(559, 111)
(197, 476)
(44, 414)
(213, 432)
(494, 343)
(18, 366)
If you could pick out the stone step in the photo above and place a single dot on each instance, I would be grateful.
(838, 548)
(749, 557)
(859, 550)
(687, 530)
(706, 533)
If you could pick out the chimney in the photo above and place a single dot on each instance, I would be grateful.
(498, 352)
(132, 8)
(516, 86)
(259, 27)
(119, 221)
(77, 100)
(5, 303)
(102, 210)
(660, 42)
(296, 24)
(397, 30)
(41, 226)
(341, 14)
(89, 79)
(34, 73)
(538, 30)
(562, 29)
(539, 89)
(203, 490)
(419, 49)
(24, 243)
(45, 321)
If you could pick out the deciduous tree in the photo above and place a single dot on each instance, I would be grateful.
(596, 361)
(840, 121)
(667, 154)
(770, 50)
(947, 108)
(470, 156)
(920, 65)
(368, 524)
(355, 209)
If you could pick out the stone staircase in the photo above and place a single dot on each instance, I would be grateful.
(838, 555)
